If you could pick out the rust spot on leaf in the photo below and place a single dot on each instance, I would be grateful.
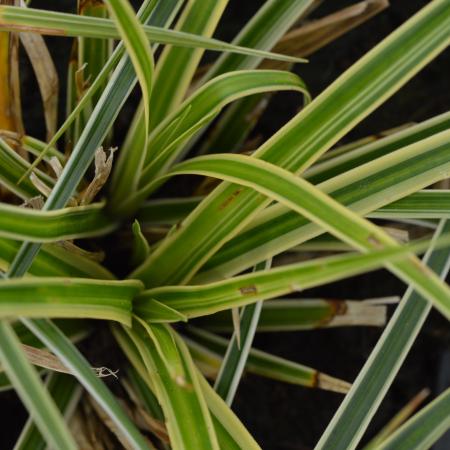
(248, 290)
(419, 265)
(181, 381)
(230, 198)
(337, 308)
(373, 240)
(315, 379)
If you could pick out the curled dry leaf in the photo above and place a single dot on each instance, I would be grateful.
(103, 372)
(103, 165)
(34, 202)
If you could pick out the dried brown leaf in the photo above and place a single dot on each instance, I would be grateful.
(43, 358)
(103, 166)
(46, 76)
(106, 420)
(10, 106)
(312, 36)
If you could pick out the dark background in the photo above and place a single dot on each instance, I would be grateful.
(281, 416)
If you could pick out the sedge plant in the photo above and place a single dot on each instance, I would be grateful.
(201, 264)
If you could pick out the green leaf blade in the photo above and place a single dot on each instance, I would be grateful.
(340, 107)
(50, 226)
(32, 392)
(355, 412)
(424, 428)
(68, 297)
(307, 200)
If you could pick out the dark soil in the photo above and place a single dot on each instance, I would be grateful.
(280, 416)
